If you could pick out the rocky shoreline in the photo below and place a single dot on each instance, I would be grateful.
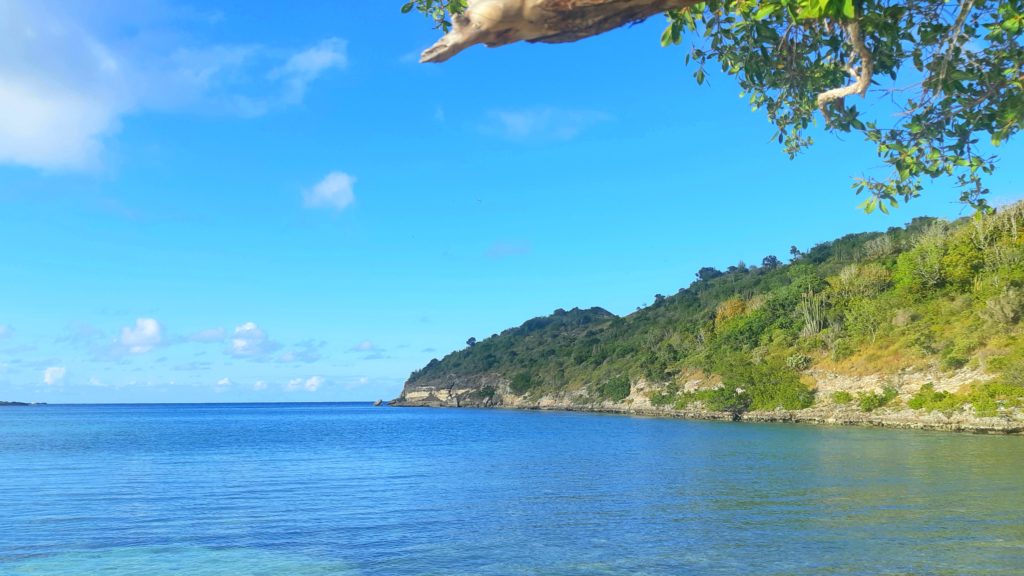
(491, 391)
(905, 419)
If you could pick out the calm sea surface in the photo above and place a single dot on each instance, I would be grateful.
(310, 489)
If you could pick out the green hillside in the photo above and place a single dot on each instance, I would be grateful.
(933, 295)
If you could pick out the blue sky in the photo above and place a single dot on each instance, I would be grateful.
(243, 201)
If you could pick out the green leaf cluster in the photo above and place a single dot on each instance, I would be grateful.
(955, 70)
(440, 11)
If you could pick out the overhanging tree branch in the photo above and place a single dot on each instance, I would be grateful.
(500, 22)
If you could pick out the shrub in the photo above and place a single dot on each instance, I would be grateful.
(662, 398)
(723, 399)
(879, 247)
(842, 397)
(962, 261)
(728, 310)
(860, 281)
(921, 268)
(872, 401)
(768, 385)
(866, 317)
(745, 331)
(484, 395)
(784, 392)
(928, 399)
(616, 388)
(521, 383)
(902, 318)
(988, 397)
(798, 362)
(665, 397)
(953, 361)
(1005, 309)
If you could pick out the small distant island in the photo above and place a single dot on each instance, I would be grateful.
(920, 326)
(10, 403)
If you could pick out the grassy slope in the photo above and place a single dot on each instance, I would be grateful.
(932, 295)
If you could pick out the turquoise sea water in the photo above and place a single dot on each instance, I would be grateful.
(339, 489)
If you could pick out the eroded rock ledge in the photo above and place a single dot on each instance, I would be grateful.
(491, 391)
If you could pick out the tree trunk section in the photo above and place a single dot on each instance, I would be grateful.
(499, 22)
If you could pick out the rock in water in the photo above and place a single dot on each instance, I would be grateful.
(378, 403)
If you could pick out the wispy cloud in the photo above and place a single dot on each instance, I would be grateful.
(364, 346)
(192, 366)
(311, 384)
(335, 191)
(69, 75)
(542, 123)
(508, 249)
(410, 57)
(306, 66)
(208, 335)
(370, 350)
(54, 375)
(307, 351)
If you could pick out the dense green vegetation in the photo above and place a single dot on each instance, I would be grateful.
(932, 295)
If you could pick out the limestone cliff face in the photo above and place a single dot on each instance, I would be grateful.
(455, 392)
(493, 391)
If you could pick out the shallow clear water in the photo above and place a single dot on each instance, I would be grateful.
(350, 489)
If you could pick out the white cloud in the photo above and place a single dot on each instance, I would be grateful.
(250, 341)
(543, 123)
(334, 191)
(54, 375)
(364, 346)
(222, 384)
(61, 89)
(208, 335)
(311, 384)
(146, 334)
(306, 66)
(259, 385)
(70, 72)
(372, 351)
